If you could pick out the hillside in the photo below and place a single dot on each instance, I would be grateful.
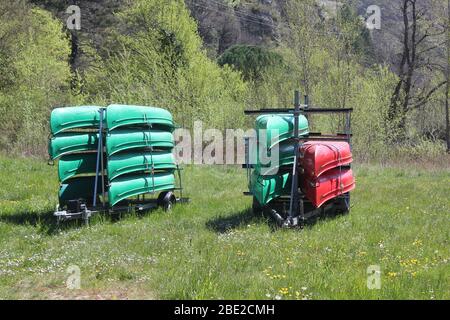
(171, 54)
(221, 23)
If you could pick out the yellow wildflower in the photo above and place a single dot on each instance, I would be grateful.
(392, 274)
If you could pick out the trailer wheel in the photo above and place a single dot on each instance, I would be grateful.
(166, 200)
(257, 209)
(343, 204)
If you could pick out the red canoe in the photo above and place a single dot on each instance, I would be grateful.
(329, 185)
(317, 157)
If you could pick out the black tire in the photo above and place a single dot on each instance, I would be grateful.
(257, 209)
(166, 200)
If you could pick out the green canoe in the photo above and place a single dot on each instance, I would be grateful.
(78, 188)
(75, 164)
(69, 142)
(119, 140)
(129, 186)
(279, 128)
(125, 115)
(268, 188)
(62, 119)
(120, 164)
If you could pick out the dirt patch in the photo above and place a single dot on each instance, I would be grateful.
(34, 291)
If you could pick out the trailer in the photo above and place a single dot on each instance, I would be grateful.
(114, 159)
(81, 208)
(297, 192)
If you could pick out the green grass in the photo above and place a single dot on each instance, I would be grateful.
(214, 247)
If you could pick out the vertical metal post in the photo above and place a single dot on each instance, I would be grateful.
(306, 105)
(294, 190)
(181, 183)
(102, 162)
(99, 151)
(348, 126)
(247, 157)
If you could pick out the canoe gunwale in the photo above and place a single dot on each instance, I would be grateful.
(138, 167)
(146, 185)
(89, 117)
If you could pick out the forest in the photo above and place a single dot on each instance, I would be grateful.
(158, 53)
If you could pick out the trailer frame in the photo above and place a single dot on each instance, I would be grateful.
(296, 215)
(80, 209)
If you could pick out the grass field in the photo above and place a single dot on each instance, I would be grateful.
(214, 247)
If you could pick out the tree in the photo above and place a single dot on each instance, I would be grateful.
(252, 61)
(416, 62)
(35, 75)
(305, 27)
(157, 59)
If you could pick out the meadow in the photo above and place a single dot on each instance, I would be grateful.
(214, 248)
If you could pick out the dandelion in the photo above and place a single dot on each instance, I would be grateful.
(392, 274)
(417, 242)
(284, 291)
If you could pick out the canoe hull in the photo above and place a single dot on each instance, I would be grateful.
(65, 143)
(317, 157)
(120, 140)
(278, 128)
(68, 118)
(78, 188)
(121, 164)
(267, 188)
(76, 164)
(126, 115)
(130, 186)
(329, 185)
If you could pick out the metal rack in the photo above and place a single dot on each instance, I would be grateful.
(297, 213)
(80, 209)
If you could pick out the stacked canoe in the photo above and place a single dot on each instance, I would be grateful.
(326, 172)
(136, 146)
(274, 133)
(325, 165)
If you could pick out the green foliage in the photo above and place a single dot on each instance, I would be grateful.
(153, 55)
(159, 61)
(36, 80)
(372, 90)
(353, 33)
(251, 61)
